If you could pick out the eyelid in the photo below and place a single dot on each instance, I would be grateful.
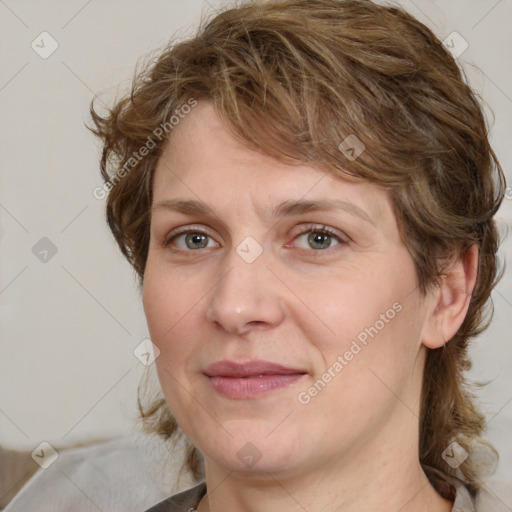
(296, 232)
(189, 228)
(320, 228)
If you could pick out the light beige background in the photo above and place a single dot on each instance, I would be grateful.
(69, 325)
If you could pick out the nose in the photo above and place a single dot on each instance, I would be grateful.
(246, 298)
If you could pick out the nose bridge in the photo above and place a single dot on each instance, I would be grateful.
(246, 295)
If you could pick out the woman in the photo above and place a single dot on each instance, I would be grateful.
(306, 190)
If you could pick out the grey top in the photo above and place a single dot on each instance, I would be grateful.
(188, 501)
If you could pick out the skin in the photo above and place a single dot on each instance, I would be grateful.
(354, 445)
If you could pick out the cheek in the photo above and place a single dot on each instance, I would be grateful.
(373, 310)
(339, 309)
(370, 358)
(170, 305)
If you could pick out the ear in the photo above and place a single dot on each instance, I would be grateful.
(450, 301)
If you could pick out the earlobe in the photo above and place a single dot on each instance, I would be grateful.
(451, 300)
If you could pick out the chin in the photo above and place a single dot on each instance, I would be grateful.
(247, 452)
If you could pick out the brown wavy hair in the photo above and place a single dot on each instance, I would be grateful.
(294, 78)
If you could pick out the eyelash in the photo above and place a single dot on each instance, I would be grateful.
(311, 228)
(323, 230)
(185, 231)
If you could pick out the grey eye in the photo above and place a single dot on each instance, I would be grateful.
(316, 240)
(319, 240)
(194, 240)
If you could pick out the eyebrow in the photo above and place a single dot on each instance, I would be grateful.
(286, 208)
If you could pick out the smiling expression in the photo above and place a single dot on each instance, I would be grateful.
(259, 276)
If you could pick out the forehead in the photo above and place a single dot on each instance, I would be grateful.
(204, 162)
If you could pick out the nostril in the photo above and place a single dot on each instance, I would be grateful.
(257, 323)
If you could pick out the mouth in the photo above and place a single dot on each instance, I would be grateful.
(251, 379)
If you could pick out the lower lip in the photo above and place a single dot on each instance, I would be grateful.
(251, 387)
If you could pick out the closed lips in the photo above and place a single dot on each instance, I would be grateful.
(251, 380)
(250, 369)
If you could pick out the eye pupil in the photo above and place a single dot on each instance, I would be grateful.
(319, 240)
(196, 240)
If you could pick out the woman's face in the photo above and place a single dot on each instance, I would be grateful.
(284, 305)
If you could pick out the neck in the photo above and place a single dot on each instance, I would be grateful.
(383, 474)
(239, 495)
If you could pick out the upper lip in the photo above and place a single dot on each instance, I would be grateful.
(248, 369)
